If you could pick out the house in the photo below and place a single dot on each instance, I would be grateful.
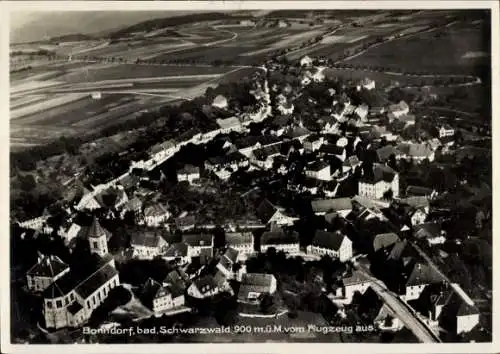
(448, 306)
(388, 320)
(69, 303)
(334, 244)
(206, 286)
(199, 244)
(318, 170)
(300, 133)
(88, 201)
(46, 270)
(160, 298)
(415, 152)
(163, 150)
(243, 242)
(306, 61)
(227, 262)
(188, 173)
(264, 157)
(281, 240)
(421, 276)
(418, 191)
(349, 165)
(384, 153)
(417, 215)
(231, 124)
(254, 285)
(233, 160)
(156, 214)
(177, 252)
(281, 123)
(313, 143)
(36, 223)
(407, 119)
(362, 112)
(220, 102)
(446, 130)
(333, 150)
(178, 278)
(328, 125)
(398, 109)
(134, 206)
(247, 144)
(271, 214)
(417, 203)
(431, 232)
(147, 244)
(354, 282)
(385, 241)
(382, 179)
(185, 222)
(366, 84)
(340, 206)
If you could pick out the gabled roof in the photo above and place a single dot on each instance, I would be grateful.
(48, 266)
(380, 173)
(423, 274)
(177, 277)
(206, 283)
(328, 205)
(149, 238)
(418, 191)
(228, 122)
(385, 152)
(156, 209)
(384, 240)
(317, 166)
(416, 202)
(351, 161)
(279, 237)
(61, 287)
(264, 152)
(198, 240)
(401, 106)
(415, 150)
(257, 280)
(328, 240)
(297, 132)
(266, 210)
(188, 169)
(427, 230)
(96, 280)
(239, 238)
(179, 249)
(356, 277)
(231, 254)
(331, 149)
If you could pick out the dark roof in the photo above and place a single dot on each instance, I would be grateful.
(351, 161)
(149, 238)
(179, 249)
(331, 149)
(380, 173)
(233, 157)
(385, 152)
(329, 205)
(198, 240)
(312, 138)
(264, 152)
(297, 132)
(188, 169)
(257, 279)
(423, 274)
(61, 287)
(356, 277)
(206, 283)
(329, 240)
(266, 210)
(96, 230)
(317, 166)
(427, 230)
(401, 250)
(231, 254)
(74, 307)
(238, 238)
(384, 240)
(418, 191)
(187, 220)
(177, 277)
(96, 280)
(48, 266)
(279, 237)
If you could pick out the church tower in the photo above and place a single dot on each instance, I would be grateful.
(98, 238)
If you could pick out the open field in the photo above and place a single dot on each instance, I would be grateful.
(45, 104)
(446, 50)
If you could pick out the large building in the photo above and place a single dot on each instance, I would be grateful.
(243, 242)
(286, 241)
(161, 297)
(381, 180)
(47, 270)
(254, 285)
(333, 244)
(70, 303)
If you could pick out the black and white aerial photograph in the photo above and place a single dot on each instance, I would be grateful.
(212, 175)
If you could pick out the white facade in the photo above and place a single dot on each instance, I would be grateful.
(306, 61)
(444, 132)
(418, 217)
(287, 248)
(467, 323)
(350, 289)
(281, 219)
(377, 190)
(313, 145)
(189, 177)
(323, 174)
(344, 253)
(413, 292)
(202, 293)
(167, 302)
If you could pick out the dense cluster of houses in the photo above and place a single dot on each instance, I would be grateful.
(389, 214)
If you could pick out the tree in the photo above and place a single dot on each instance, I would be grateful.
(267, 304)
(28, 183)
(388, 194)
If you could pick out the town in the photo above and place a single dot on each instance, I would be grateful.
(290, 198)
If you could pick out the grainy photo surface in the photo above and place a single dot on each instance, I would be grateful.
(250, 176)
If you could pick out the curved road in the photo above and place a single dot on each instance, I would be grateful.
(403, 311)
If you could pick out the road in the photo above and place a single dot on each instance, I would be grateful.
(403, 311)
